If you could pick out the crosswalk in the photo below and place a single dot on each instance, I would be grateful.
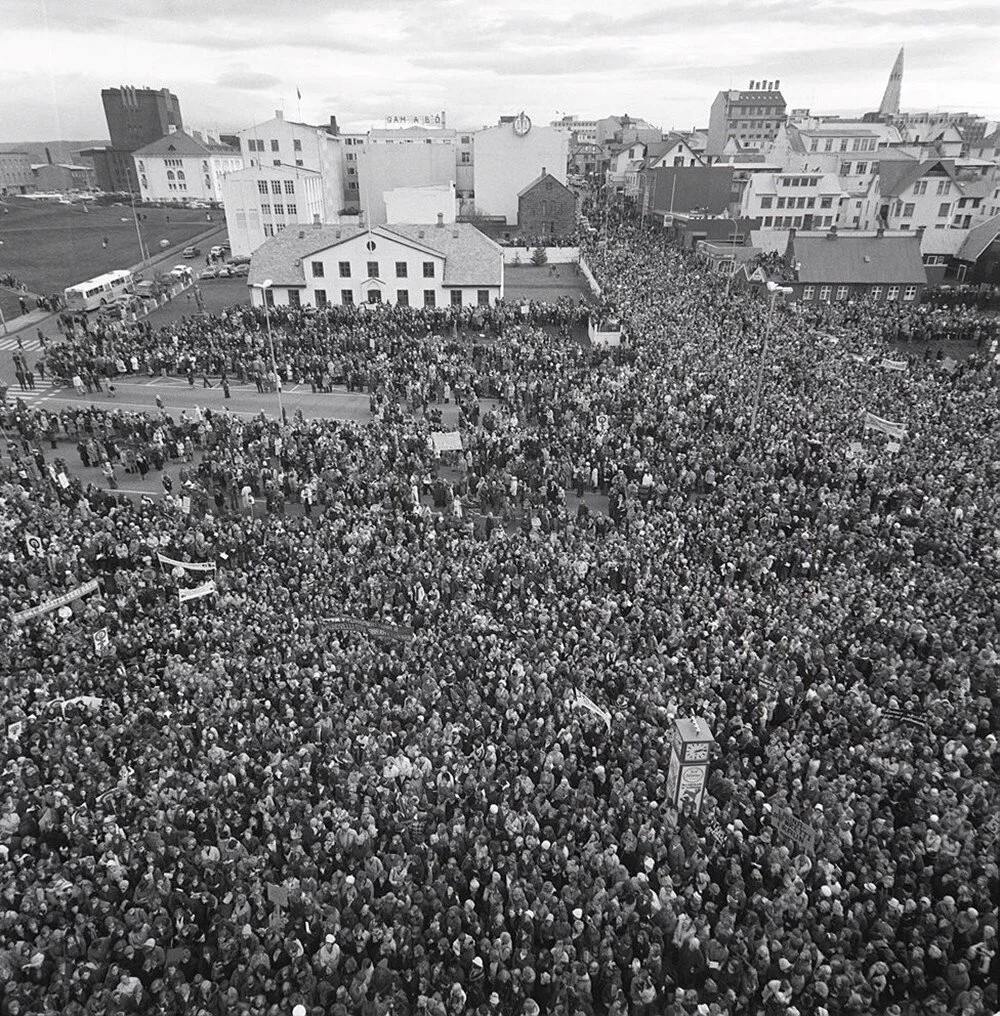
(10, 342)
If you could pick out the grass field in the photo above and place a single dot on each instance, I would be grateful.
(49, 246)
(546, 283)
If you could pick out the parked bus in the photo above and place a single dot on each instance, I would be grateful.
(86, 296)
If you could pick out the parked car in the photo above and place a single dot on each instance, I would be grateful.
(211, 272)
(191, 252)
(182, 272)
(164, 243)
(240, 259)
(225, 271)
(240, 270)
(216, 252)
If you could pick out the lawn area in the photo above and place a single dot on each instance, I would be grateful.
(50, 246)
(9, 305)
(217, 294)
(545, 283)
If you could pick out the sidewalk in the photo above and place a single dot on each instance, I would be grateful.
(36, 318)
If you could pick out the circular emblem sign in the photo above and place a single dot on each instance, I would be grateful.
(522, 124)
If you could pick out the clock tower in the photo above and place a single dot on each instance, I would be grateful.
(690, 751)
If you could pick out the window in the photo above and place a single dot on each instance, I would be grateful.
(274, 146)
(826, 202)
(296, 145)
(824, 292)
(810, 202)
(269, 297)
(291, 209)
(909, 208)
(767, 221)
(944, 210)
(456, 298)
(466, 158)
(944, 187)
(808, 292)
(351, 156)
(279, 209)
(275, 186)
(170, 174)
(428, 269)
(766, 202)
(320, 297)
(373, 270)
(910, 293)
(374, 296)
(289, 186)
(265, 209)
(400, 269)
(262, 186)
(345, 269)
(920, 187)
(298, 162)
(465, 139)
(483, 297)
(861, 167)
(317, 269)
(781, 202)
(800, 203)
(845, 169)
(843, 292)
(893, 293)
(180, 174)
(876, 292)
(430, 298)
(351, 171)
(294, 299)
(268, 229)
(402, 298)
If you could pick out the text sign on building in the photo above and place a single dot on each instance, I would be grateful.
(690, 751)
(419, 119)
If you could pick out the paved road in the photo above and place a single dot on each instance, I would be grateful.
(139, 393)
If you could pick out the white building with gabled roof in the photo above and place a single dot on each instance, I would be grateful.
(443, 265)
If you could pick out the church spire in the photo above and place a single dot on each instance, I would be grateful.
(890, 99)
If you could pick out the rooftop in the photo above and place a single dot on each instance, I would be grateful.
(181, 144)
(857, 258)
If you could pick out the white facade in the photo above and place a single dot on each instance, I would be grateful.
(507, 161)
(420, 204)
(407, 158)
(281, 143)
(260, 203)
(799, 201)
(402, 265)
(180, 167)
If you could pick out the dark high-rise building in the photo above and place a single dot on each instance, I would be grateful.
(139, 116)
(136, 117)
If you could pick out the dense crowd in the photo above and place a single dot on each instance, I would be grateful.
(242, 808)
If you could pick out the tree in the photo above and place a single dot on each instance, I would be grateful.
(539, 257)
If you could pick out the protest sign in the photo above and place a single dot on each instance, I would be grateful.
(186, 504)
(102, 641)
(187, 565)
(33, 544)
(901, 716)
(793, 829)
(888, 364)
(446, 441)
(174, 957)
(205, 589)
(15, 730)
(585, 702)
(949, 364)
(54, 604)
(277, 894)
(399, 632)
(890, 427)
(892, 447)
(715, 832)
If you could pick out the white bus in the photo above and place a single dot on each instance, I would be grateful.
(97, 292)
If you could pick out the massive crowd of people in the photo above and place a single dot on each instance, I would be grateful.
(240, 807)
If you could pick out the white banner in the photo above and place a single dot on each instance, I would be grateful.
(205, 589)
(187, 565)
(55, 604)
(895, 430)
(584, 702)
(446, 441)
(894, 364)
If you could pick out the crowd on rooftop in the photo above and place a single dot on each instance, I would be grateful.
(239, 807)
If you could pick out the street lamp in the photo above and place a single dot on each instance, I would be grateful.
(774, 289)
(264, 288)
(732, 267)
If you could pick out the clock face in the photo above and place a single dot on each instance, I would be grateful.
(697, 753)
(522, 124)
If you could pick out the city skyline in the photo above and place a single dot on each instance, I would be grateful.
(665, 66)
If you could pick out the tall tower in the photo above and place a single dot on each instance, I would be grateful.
(890, 98)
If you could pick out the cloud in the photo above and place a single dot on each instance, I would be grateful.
(249, 81)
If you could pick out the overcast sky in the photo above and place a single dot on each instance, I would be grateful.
(234, 62)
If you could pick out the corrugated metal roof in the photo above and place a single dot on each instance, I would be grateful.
(180, 144)
(858, 259)
(979, 238)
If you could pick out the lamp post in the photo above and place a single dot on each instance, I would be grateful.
(774, 289)
(732, 267)
(264, 288)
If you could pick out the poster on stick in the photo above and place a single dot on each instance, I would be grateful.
(446, 441)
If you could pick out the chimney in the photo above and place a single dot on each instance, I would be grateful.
(832, 235)
(333, 128)
(440, 220)
(48, 156)
(302, 234)
(544, 171)
(920, 232)
(454, 233)
(316, 222)
(750, 86)
(777, 85)
(279, 114)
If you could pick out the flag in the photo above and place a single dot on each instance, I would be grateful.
(298, 92)
(584, 702)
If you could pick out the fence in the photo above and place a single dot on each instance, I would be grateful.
(554, 255)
